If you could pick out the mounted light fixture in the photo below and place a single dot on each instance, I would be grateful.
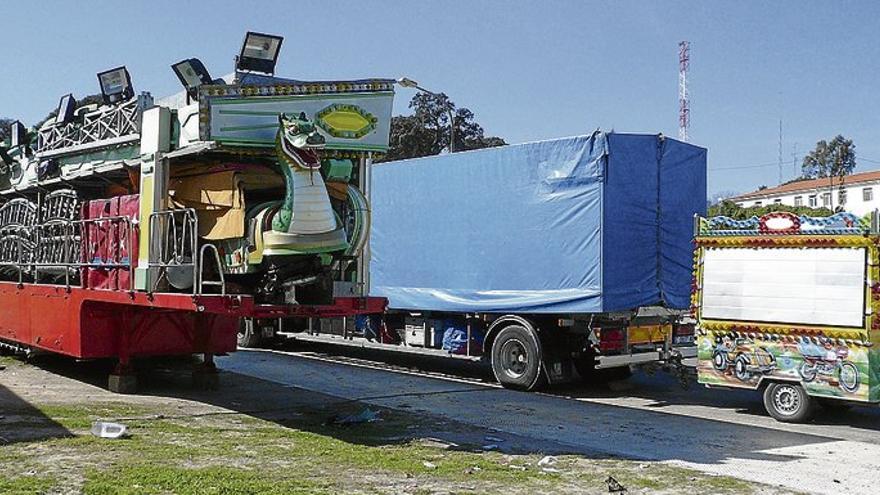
(259, 52)
(66, 109)
(115, 85)
(18, 134)
(192, 74)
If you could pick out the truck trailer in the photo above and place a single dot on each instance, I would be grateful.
(538, 257)
(788, 305)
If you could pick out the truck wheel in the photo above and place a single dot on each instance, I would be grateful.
(249, 335)
(788, 402)
(517, 358)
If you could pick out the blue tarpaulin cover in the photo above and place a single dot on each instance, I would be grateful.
(576, 225)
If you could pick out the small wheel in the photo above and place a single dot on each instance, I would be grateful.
(808, 372)
(848, 377)
(788, 402)
(248, 334)
(741, 368)
(719, 361)
(516, 358)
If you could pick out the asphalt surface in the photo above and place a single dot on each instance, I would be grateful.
(716, 431)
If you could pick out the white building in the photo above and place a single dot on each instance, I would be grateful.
(859, 194)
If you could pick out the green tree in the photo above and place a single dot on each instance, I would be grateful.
(5, 126)
(834, 159)
(427, 131)
(732, 210)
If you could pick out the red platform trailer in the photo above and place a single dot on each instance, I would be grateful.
(140, 227)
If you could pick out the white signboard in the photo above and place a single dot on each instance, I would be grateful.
(813, 286)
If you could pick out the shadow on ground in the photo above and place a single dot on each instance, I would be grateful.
(460, 415)
(22, 422)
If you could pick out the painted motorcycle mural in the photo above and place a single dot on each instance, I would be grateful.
(748, 360)
(830, 361)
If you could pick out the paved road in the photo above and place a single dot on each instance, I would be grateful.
(720, 432)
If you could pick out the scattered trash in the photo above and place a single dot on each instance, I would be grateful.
(473, 469)
(836, 481)
(614, 486)
(490, 438)
(643, 466)
(105, 429)
(491, 446)
(437, 443)
(429, 465)
(546, 464)
(367, 415)
(518, 468)
(2, 367)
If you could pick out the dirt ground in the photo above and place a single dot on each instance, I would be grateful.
(255, 436)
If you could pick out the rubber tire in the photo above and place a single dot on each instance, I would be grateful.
(802, 415)
(533, 378)
(247, 337)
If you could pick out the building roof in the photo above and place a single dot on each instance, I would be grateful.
(810, 185)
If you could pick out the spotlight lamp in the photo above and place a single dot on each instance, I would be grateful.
(192, 74)
(66, 109)
(259, 53)
(115, 85)
(18, 134)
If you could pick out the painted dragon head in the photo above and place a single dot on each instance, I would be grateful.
(298, 141)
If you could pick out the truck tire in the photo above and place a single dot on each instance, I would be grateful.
(517, 360)
(788, 402)
(249, 336)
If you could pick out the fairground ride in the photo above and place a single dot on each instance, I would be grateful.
(137, 227)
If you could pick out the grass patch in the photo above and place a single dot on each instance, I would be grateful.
(240, 454)
(139, 479)
(25, 485)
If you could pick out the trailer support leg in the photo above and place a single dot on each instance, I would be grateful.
(205, 374)
(123, 379)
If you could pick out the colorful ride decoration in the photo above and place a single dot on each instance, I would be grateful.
(789, 298)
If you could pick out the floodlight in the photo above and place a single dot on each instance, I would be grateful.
(407, 82)
(115, 85)
(18, 134)
(259, 52)
(192, 74)
(66, 109)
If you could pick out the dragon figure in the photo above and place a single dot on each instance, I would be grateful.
(305, 221)
(290, 240)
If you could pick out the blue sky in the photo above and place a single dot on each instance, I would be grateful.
(529, 70)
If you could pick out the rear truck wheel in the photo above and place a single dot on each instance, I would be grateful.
(788, 402)
(249, 336)
(517, 360)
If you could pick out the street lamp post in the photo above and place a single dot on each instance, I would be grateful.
(409, 83)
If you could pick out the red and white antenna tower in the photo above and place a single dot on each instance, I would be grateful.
(684, 100)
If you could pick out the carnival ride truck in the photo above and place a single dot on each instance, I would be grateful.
(138, 227)
(539, 257)
(789, 305)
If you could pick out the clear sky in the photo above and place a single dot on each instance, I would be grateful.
(529, 70)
